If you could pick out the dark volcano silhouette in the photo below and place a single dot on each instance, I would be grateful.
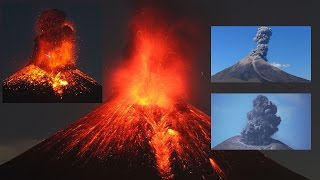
(122, 140)
(254, 69)
(253, 165)
(130, 141)
(35, 164)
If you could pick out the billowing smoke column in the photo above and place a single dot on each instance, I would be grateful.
(55, 41)
(262, 39)
(262, 122)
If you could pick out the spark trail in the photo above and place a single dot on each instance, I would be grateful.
(178, 134)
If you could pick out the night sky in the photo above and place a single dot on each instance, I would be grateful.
(24, 125)
(102, 28)
(103, 31)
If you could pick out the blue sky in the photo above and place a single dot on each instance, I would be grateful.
(289, 46)
(228, 117)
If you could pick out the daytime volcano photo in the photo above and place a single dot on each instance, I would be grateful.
(227, 47)
(265, 122)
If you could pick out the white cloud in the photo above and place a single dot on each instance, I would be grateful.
(278, 65)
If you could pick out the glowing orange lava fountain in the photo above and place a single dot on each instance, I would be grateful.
(54, 56)
(148, 111)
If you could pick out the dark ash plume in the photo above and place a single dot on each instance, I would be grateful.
(262, 39)
(262, 122)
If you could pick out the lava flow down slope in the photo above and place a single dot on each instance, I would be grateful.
(51, 74)
(147, 130)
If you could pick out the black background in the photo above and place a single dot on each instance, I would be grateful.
(102, 28)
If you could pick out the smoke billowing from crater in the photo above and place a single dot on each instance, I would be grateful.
(262, 39)
(262, 122)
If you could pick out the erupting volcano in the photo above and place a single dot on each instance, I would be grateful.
(51, 75)
(147, 130)
(255, 67)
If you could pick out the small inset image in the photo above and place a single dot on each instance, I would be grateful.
(51, 74)
(261, 54)
(261, 121)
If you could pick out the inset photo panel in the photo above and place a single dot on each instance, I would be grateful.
(261, 54)
(271, 121)
(51, 68)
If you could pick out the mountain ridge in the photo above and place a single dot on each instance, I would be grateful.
(254, 69)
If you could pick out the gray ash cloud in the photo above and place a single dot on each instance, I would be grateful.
(262, 122)
(262, 39)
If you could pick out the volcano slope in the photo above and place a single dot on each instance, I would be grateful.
(122, 139)
(33, 84)
(254, 70)
(126, 140)
(235, 143)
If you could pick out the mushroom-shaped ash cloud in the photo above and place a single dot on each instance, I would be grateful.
(262, 122)
(262, 39)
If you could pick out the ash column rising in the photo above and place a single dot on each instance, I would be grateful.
(262, 39)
